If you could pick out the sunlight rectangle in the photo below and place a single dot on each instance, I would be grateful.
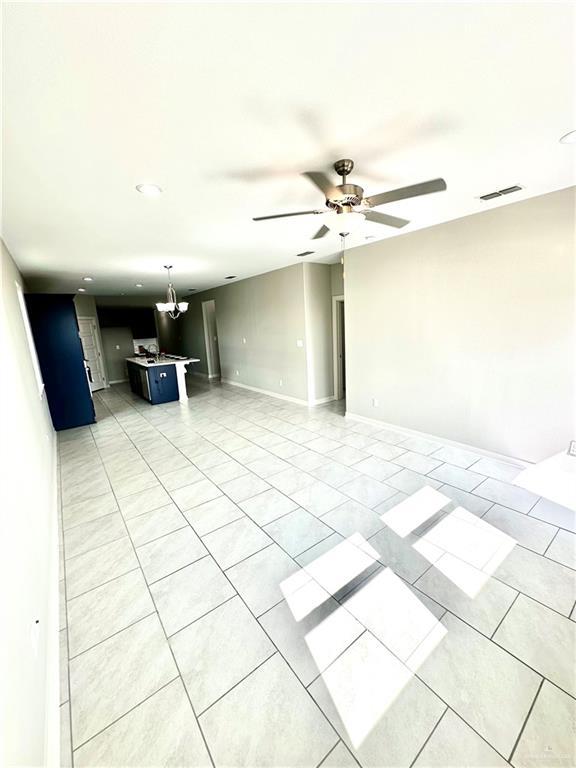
(343, 563)
(393, 613)
(409, 514)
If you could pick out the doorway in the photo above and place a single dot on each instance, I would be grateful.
(92, 352)
(339, 347)
(211, 338)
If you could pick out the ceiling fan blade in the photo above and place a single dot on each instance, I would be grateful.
(321, 232)
(425, 188)
(384, 218)
(323, 183)
(282, 215)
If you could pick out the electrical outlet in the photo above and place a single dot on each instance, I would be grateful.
(281, 383)
(375, 402)
(243, 341)
(299, 343)
(237, 373)
(117, 346)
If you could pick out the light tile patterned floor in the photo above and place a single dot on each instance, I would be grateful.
(247, 582)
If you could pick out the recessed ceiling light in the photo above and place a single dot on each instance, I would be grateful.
(88, 279)
(139, 285)
(82, 290)
(230, 277)
(569, 138)
(150, 190)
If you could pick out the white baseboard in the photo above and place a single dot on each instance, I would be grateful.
(323, 400)
(118, 381)
(437, 439)
(52, 703)
(268, 392)
(208, 376)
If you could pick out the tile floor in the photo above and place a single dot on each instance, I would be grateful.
(248, 582)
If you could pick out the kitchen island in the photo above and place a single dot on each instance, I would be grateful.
(159, 379)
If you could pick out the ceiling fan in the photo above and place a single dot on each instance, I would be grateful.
(347, 207)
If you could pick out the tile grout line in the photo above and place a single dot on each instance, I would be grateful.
(516, 596)
(429, 736)
(87, 591)
(550, 543)
(239, 682)
(122, 716)
(526, 721)
(114, 634)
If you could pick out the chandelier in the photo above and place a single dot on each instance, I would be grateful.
(172, 306)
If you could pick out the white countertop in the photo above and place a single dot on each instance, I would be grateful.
(164, 361)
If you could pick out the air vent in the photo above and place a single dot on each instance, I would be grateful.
(305, 253)
(500, 192)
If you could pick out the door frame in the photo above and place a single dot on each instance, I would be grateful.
(96, 335)
(212, 374)
(337, 346)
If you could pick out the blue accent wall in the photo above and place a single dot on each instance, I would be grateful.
(55, 331)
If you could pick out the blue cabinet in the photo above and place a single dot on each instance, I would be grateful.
(55, 330)
(163, 384)
(155, 383)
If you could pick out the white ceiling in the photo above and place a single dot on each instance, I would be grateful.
(223, 105)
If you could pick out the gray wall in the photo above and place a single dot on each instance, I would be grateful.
(29, 691)
(318, 308)
(467, 330)
(337, 279)
(115, 359)
(268, 312)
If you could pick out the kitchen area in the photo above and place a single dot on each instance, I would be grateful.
(132, 353)
(159, 378)
(88, 343)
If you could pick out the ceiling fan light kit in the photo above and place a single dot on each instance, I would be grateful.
(171, 306)
(348, 208)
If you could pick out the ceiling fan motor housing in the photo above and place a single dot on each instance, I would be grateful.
(348, 194)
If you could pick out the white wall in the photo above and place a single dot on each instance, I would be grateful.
(467, 330)
(29, 695)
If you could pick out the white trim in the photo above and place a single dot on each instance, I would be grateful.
(30, 339)
(211, 376)
(297, 400)
(52, 704)
(96, 333)
(118, 381)
(437, 439)
(308, 345)
(336, 346)
(322, 400)
(208, 341)
(266, 392)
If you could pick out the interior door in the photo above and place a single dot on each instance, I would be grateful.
(92, 352)
(211, 338)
